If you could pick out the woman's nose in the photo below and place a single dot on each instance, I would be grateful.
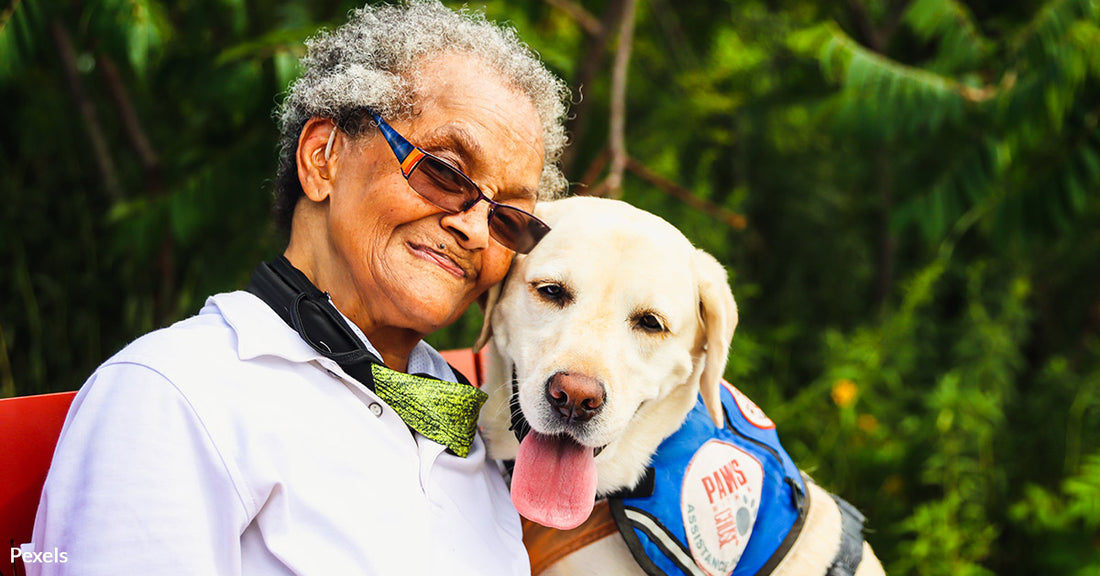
(470, 228)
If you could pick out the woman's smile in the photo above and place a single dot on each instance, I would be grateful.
(440, 259)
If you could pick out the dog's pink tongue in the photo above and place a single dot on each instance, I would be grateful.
(554, 481)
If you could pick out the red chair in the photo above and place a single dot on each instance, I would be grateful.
(471, 364)
(29, 427)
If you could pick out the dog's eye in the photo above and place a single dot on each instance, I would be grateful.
(650, 323)
(552, 292)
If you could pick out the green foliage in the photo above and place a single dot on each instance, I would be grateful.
(916, 281)
(905, 100)
(1067, 521)
(952, 25)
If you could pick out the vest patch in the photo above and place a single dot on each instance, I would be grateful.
(749, 409)
(720, 499)
(716, 501)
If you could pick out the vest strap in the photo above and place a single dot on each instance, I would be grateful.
(851, 540)
(629, 520)
(792, 536)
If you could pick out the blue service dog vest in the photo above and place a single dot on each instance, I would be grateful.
(715, 502)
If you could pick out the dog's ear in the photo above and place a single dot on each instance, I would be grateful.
(488, 301)
(719, 315)
(546, 211)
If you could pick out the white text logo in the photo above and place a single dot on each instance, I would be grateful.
(30, 556)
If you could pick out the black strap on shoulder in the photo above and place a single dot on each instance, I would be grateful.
(308, 310)
(459, 376)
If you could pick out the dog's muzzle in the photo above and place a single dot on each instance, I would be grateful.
(521, 427)
(575, 398)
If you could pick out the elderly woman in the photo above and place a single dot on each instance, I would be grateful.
(303, 426)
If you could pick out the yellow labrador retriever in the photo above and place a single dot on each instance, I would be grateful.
(602, 339)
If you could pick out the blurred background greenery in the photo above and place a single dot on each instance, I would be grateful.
(905, 194)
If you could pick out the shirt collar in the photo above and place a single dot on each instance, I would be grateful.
(260, 331)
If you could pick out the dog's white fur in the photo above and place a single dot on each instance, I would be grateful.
(616, 270)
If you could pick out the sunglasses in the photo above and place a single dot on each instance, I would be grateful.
(440, 183)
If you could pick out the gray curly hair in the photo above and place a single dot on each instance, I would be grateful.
(369, 63)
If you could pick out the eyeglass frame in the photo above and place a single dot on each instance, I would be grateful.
(409, 156)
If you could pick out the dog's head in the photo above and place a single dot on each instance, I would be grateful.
(612, 324)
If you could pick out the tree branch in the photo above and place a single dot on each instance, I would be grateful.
(591, 60)
(595, 169)
(590, 23)
(150, 161)
(727, 217)
(619, 76)
(731, 219)
(8, 12)
(96, 137)
(165, 292)
(673, 33)
(878, 39)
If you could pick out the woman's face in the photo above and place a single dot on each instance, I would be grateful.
(408, 263)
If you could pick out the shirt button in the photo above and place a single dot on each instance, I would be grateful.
(375, 408)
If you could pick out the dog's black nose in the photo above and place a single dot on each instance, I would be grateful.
(577, 398)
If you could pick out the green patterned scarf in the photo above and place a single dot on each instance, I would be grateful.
(442, 411)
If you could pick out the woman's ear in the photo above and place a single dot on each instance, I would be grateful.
(319, 146)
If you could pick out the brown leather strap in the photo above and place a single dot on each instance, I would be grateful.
(546, 546)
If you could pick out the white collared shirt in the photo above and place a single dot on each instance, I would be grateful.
(225, 445)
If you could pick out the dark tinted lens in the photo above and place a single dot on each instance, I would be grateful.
(516, 229)
(442, 184)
